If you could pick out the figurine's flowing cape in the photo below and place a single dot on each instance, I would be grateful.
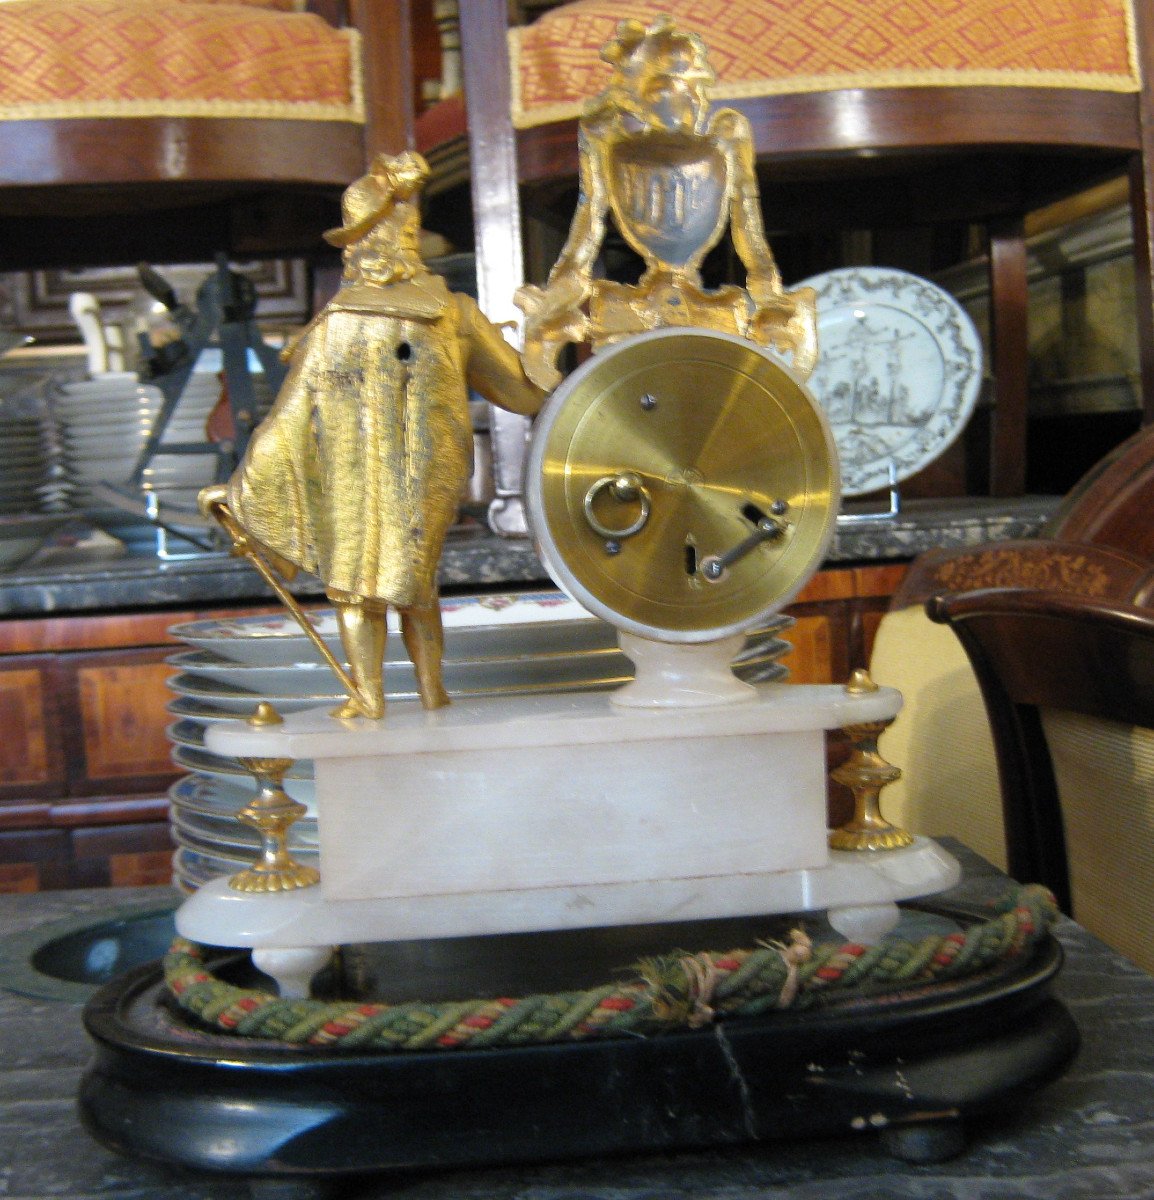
(357, 471)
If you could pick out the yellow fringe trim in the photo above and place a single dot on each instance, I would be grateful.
(513, 42)
(1132, 44)
(356, 75)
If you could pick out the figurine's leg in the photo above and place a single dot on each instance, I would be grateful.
(363, 627)
(425, 643)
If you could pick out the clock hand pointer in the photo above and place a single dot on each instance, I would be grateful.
(767, 529)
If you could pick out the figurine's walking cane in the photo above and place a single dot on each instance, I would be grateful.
(212, 505)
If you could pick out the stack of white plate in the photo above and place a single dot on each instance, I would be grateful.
(28, 480)
(106, 421)
(495, 645)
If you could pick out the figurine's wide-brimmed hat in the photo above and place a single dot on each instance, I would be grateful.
(370, 198)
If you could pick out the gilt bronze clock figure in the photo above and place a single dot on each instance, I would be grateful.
(683, 485)
(357, 472)
(672, 174)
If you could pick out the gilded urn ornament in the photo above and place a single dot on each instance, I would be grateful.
(357, 471)
(672, 174)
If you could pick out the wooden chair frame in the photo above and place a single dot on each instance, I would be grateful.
(82, 192)
(1040, 649)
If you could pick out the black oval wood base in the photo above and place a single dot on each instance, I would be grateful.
(911, 1067)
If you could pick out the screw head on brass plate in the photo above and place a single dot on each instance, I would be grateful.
(730, 436)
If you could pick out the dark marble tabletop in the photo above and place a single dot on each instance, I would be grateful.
(1089, 1136)
(474, 558)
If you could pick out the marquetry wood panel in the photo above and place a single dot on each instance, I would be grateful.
(19, 877)
(31, 761)
(812, 658)
(143, 869)
(879, 581)
(122, 700)
(24, 751)
(107, 631)
(837, 615)
(40, 851)
(837, 584)
(131, 844)
(97, 842)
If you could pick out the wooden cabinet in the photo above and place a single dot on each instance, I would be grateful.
(30, 756)
(84, 757)
(837, 615)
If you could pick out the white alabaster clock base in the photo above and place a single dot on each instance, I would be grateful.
(681, 674)
(567, 812)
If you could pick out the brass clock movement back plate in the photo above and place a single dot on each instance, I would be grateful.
(682, 484)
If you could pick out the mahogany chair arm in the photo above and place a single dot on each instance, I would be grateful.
(1050, 565)
(1034, 650)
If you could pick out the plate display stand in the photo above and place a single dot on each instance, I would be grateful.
(891, 513)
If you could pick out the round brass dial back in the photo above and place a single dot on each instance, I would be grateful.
(682, 484)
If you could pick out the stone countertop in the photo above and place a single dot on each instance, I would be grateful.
(1088, 1136)
(475, 559)
(136, 581)
(923, 525)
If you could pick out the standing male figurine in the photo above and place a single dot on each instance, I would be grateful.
(357, 472)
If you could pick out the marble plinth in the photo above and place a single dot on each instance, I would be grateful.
(564, 812)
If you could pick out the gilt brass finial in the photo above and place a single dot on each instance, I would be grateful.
(865, 773)
(860, 682)
(272, 812)
(264, 716)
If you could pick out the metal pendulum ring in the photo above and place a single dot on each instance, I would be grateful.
(626, 487)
